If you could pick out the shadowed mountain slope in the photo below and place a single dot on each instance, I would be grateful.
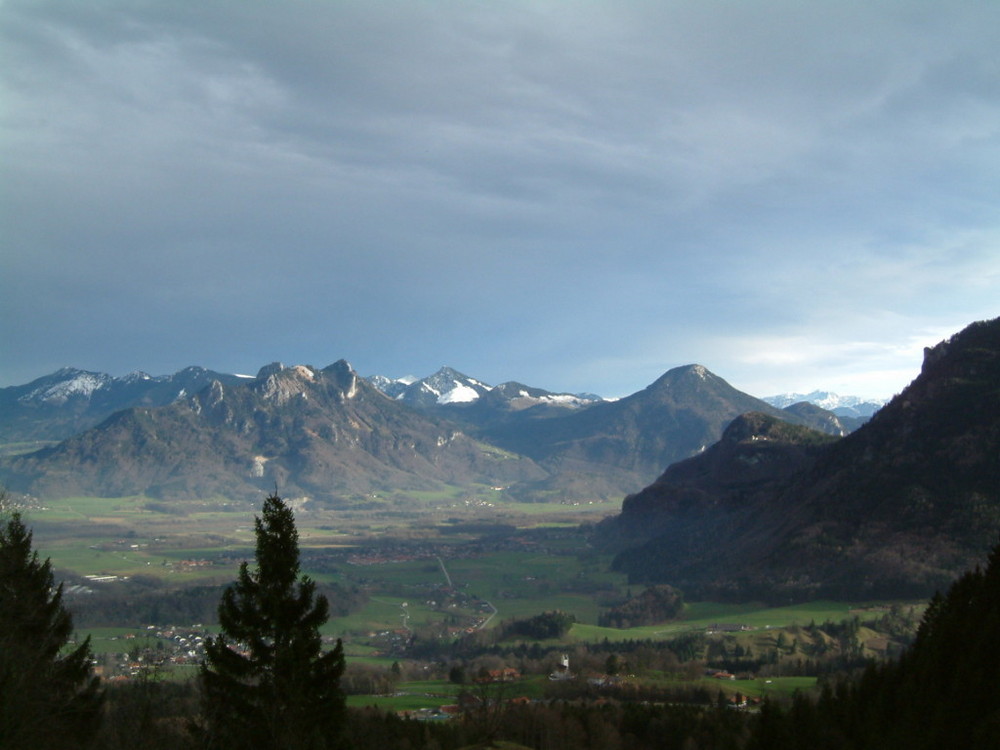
(899, 507)
(677, 416)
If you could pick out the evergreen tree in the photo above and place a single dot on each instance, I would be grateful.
(49, 697)
(266, 681)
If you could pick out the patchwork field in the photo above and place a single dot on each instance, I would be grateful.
(435, 566)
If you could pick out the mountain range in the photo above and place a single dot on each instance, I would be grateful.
(842, 406)
(898, 507)
(731, 496)
(68, 401)
(329, 433)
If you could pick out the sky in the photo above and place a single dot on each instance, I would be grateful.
(575, 195)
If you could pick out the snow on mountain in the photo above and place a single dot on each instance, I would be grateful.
(393, 388)
(115, 392)
(852, 406)
(450, 387)
(66, 383)
(567, 399)
(460, 394)
(446, 386)
(523, 398)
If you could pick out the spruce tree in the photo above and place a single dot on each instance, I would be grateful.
(49, 697)
(266, 681)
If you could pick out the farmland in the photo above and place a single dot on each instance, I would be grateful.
(427, 579)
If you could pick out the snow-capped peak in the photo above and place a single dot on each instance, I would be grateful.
(852, 405)
(453, 387)
(446, 386)
(74, 383)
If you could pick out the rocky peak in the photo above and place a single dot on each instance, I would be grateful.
(343, 376)
(283, 383)
(683, 376)
(268, 370)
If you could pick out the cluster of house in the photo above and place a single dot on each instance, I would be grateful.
(507, 674)
(156, 649)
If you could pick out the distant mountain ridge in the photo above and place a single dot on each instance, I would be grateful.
(448, 386)
(755, 501)
(321, 433)
(70, 400)
(605, 445)
(897, 508)
(288, 426)
(842, 406)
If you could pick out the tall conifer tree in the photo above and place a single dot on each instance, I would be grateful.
(266, 681)
(49, 698)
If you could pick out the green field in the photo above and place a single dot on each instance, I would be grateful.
(117, 640)
(702, 615)
(553, 572)
(432, 694)
(69, 530)
(411, 696)
(437, 563)
(761, 687)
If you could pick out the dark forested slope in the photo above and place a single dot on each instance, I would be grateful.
(902, 505)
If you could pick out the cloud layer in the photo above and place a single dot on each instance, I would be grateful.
(577, 195)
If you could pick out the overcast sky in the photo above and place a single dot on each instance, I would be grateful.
(575, 195)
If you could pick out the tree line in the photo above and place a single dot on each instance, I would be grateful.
(655, 604)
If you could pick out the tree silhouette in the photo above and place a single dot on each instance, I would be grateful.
(266, 681)
(49, 698)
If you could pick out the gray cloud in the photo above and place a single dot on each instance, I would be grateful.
(577, 195)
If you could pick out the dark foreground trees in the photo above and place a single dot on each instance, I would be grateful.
(940, 694)
(266, 681)
(49, 697)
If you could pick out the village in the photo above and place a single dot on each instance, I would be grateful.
(152, 652)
